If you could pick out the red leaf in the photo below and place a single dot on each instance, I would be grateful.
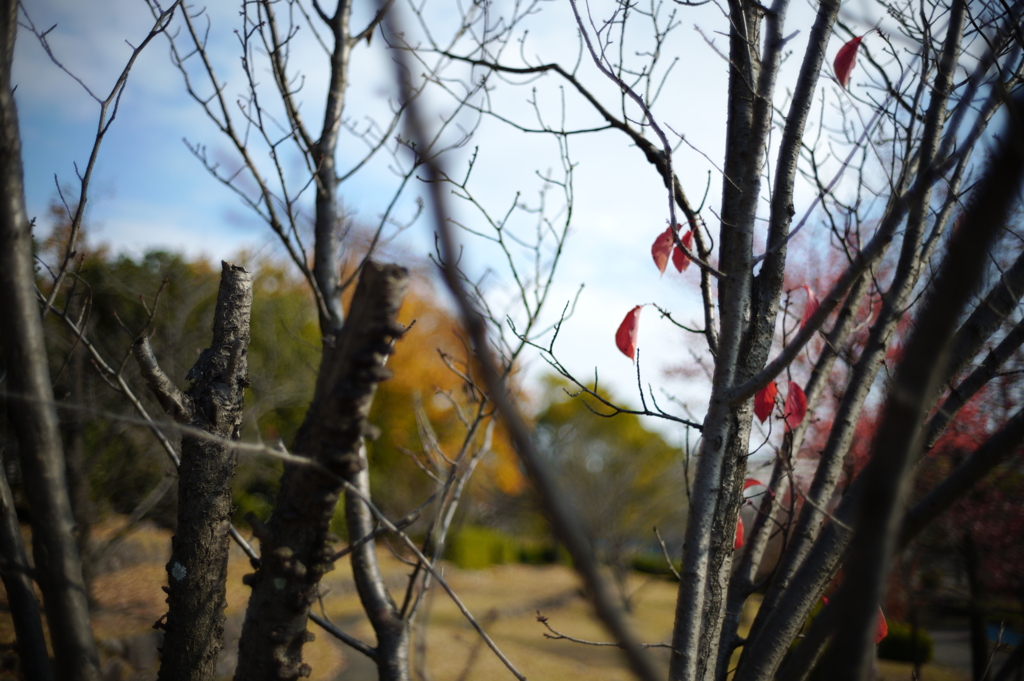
(679, 257)
(796, 405)
(846, 57)
(625, 337)
(739, 534)
(810, 307)
(661, 249)
(882, 628)
(750, 482)
(764, 401)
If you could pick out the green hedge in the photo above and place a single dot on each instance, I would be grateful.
(540, 553)
(475, 548)
(898, 645)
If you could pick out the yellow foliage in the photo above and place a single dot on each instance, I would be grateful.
(433, 376)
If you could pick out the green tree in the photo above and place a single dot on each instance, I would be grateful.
(169, 298)
(623, 479)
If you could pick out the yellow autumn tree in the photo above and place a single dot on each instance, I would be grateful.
(430, 411)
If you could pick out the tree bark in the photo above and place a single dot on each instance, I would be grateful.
(14, 569)
(295, 544)
(75, 460)
(31, 406)
(198, 569)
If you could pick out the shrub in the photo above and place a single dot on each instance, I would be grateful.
(475, 548)
(898, 645)
(539, 553)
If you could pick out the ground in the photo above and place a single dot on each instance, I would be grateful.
(504, 598)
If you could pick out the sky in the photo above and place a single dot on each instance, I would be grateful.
(149, 191)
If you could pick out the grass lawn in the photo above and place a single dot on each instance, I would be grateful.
(505, 599)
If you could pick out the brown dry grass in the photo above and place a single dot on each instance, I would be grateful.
(504, 598)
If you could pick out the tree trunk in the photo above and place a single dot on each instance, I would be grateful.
(31, 406)
(14, 569)
(296, 544)
(198, 569)
(74, 459)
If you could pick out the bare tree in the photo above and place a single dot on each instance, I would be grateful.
(296, 544)
(930, 93)
(926, 138)
(30, 403)
(330, 457)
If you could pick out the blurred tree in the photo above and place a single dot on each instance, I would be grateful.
(978, 541)
(169, 298)
(424, 410)
(623, 478)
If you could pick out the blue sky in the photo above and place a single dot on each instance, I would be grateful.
(150, 192)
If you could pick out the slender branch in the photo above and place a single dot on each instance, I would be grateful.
(174, 402)
(556, 635)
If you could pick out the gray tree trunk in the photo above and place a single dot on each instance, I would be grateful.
(296, 544)
(979, 637)
(198, 569)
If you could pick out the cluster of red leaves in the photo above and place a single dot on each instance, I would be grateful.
(665, 246)
(991, 514)
(994, 518)
(794, 409)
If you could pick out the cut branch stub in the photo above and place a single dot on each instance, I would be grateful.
(295, 543)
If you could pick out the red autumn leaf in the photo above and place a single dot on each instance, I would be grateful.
(739, 534)
(796, 405)
(750, 482)
(810, 307)
(625, 337)
(764, 401)
(882, 629)
(679, 257)
(846, 57)
(661, 249)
